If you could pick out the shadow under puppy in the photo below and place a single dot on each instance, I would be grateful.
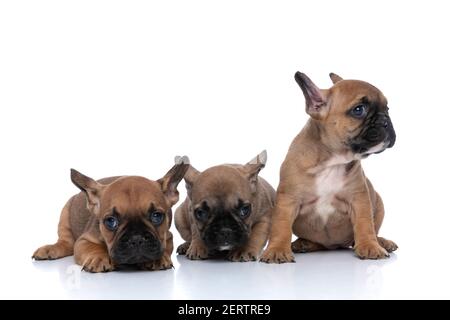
(324, 197)
(117, 222)
(227, 211)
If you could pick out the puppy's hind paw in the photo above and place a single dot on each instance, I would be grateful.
(277, 255)
(389, 245)
(302, 246)
(53, 251)
(182, 248)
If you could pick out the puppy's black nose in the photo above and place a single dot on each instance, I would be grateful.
(137, 240)
(225, 234)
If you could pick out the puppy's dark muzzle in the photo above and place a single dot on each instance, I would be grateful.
(225, 233)
(378, 130)
(137, 248)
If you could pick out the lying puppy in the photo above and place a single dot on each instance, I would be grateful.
(228, 209)
(118, 221)
(324, 196)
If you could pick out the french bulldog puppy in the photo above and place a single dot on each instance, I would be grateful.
(117, 222)
(324, 197)
(227, 211)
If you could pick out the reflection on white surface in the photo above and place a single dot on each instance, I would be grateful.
(309, 278)
(322, 275)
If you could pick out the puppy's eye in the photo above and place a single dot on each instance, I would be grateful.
(156, 217)
(111, 223)
(201, 214)
(245, 210)
(359, 111)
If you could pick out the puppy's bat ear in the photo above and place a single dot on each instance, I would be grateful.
(91, 188)
(335, 78)
(315, 98)
(172, 178)
(253, 167)
(190, 177)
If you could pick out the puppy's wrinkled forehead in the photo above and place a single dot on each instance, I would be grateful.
(347, 93)
(133, 195)
(221, 184)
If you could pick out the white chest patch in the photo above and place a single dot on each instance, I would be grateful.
(223, 248)
(329, 181)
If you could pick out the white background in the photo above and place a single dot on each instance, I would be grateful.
(121, 87)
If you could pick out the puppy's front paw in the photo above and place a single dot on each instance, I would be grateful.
(197, 252)
(370, 250)
(389, 245)
(162, 264)
(243, 255)
(98, 263)
(277, 255)
(182, 248)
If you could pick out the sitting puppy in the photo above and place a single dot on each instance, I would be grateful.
(323, 197)
(118, 221)
(228, 210)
